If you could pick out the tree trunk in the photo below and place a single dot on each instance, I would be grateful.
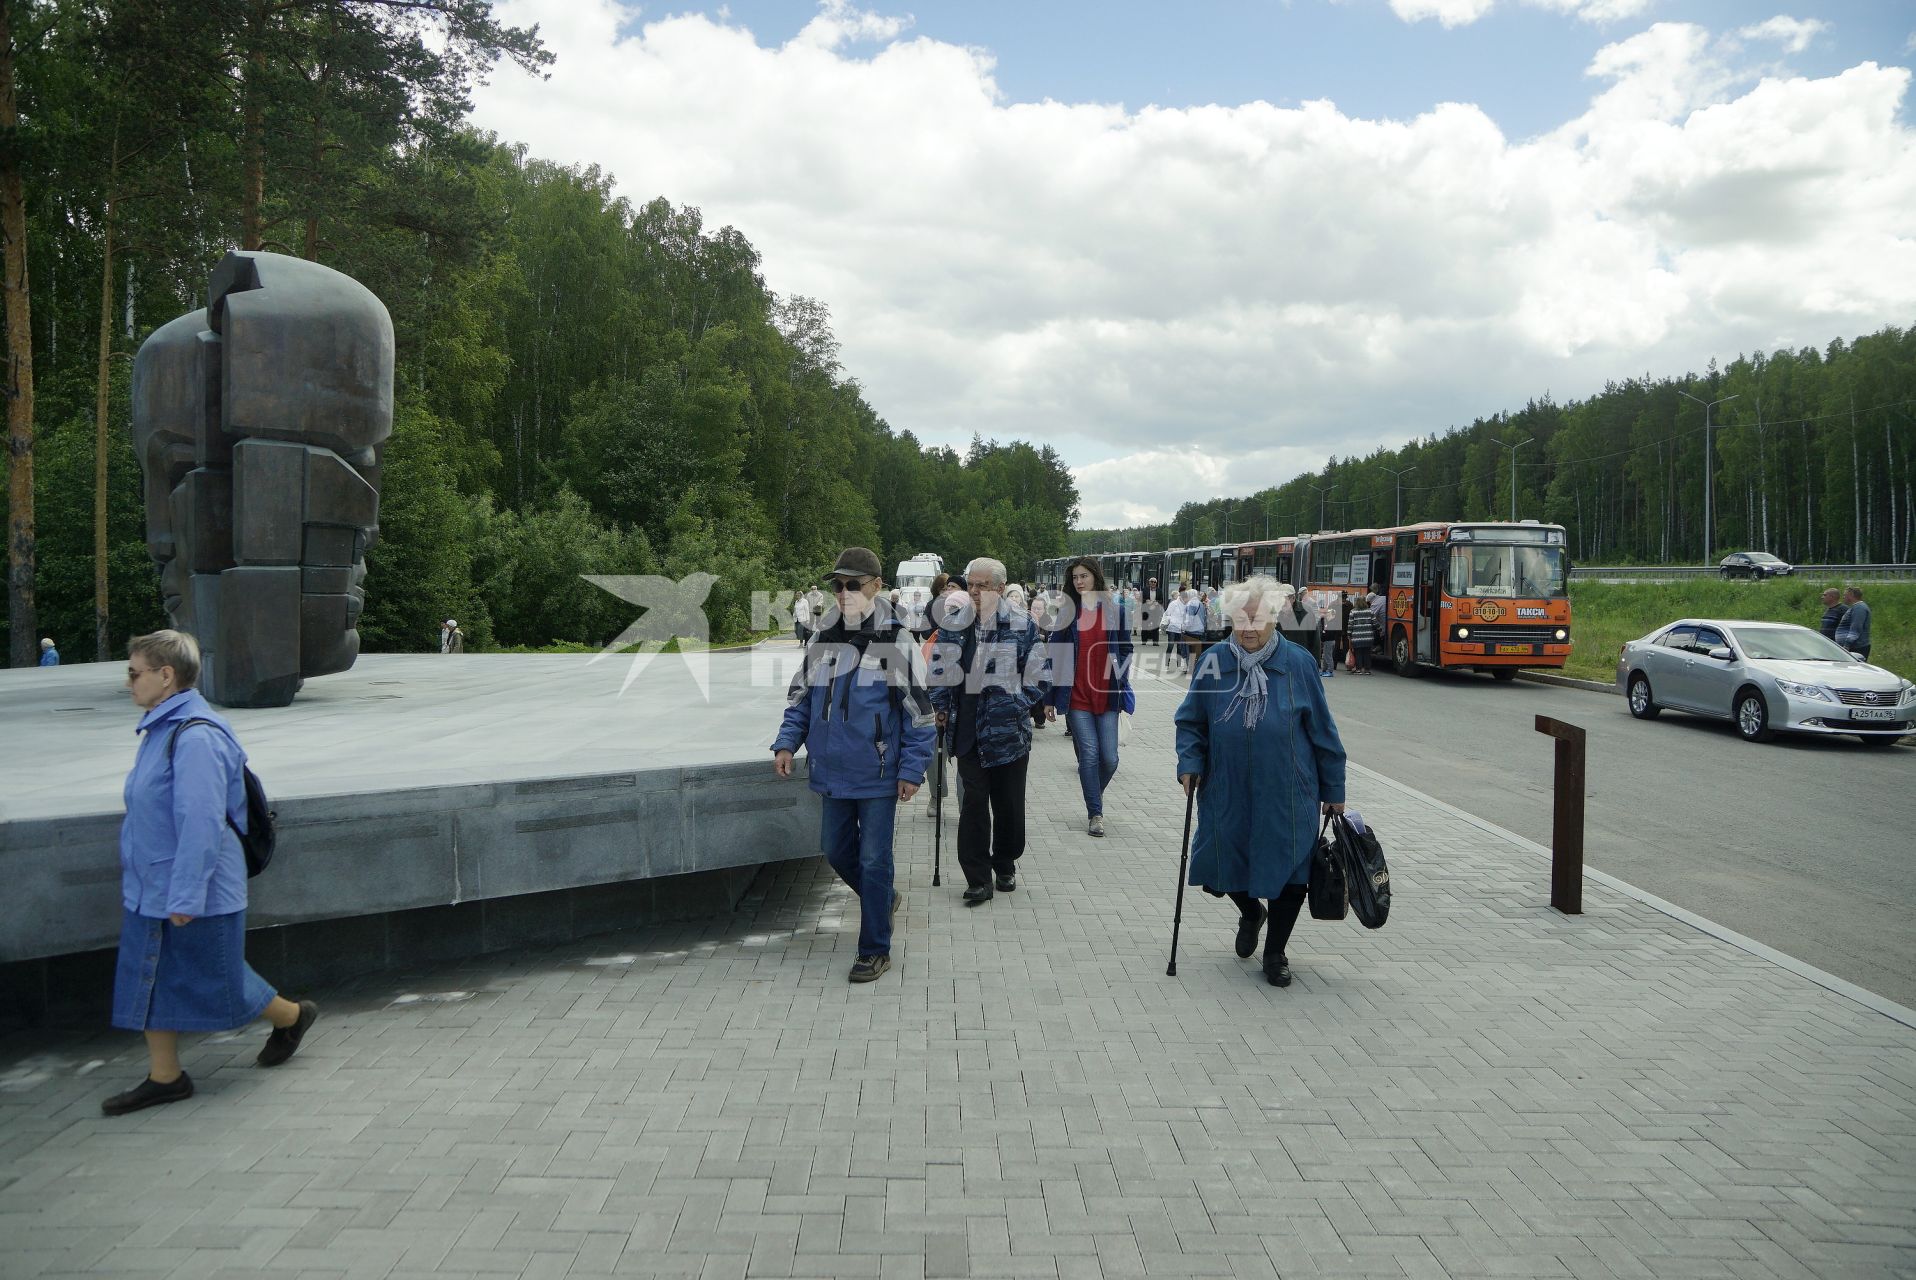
(100, 397)
(22, 618)
(1855, 488)
(253, 128)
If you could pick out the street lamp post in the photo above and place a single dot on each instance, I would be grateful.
(1513, 472)
(1709, 473)
(1322, 489)
(1400, 474)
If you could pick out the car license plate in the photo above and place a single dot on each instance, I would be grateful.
(1871, 713)
(1513, 648)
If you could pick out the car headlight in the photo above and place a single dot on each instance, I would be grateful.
(1909, 692)
(1815, 691)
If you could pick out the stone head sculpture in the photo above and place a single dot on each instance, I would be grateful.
(259, 424)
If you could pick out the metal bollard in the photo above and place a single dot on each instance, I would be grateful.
(1566, 823)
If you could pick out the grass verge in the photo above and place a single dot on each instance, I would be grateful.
(1605, 615)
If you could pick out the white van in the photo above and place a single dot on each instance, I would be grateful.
(913, 580)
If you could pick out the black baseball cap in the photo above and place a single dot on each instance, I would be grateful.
(857, 562)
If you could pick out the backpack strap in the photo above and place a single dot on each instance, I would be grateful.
(172, 739)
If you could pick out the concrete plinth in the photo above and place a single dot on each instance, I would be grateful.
(416, 782)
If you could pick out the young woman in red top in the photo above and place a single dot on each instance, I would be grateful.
(1099, 685)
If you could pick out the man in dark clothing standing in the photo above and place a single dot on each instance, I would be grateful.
(1151, 611)
(1833, 612)
(1853, 633)
(984, 686)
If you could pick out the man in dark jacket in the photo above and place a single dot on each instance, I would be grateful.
(1833, 611)
(1151, 610)
(1853, 634)
(859, 707)
(986, 677)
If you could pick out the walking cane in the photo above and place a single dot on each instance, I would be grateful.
(1184, 863)
(938, 813)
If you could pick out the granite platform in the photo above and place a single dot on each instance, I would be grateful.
(422, 781)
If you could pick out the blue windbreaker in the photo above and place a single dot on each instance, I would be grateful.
(865, 727)
(178, 856)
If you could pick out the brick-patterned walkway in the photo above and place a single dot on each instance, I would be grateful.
(1482, 1088)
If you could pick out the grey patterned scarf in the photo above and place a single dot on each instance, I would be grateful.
(1251, 681)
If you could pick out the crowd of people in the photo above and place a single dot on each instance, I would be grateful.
(884, 695)
(878, 704)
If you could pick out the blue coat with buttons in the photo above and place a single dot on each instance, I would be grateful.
(865, 721)
(178, 851)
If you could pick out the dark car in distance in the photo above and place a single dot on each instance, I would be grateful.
(1754, 565)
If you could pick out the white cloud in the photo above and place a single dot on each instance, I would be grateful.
(1794, 34)
(1461, 13)
(1262, 284)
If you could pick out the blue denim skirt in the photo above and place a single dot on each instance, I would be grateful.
(190, 977)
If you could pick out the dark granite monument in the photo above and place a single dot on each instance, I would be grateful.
(259, 424)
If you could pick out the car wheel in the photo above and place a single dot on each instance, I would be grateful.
(1727, 573)
(1401, 658)
(1642, 705)
(1503, 673)
(1752, 715)
(1876, 740)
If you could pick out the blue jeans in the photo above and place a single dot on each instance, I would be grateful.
(856, 836)
(1094, 736)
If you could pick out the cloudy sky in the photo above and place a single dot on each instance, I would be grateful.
(1201, 247)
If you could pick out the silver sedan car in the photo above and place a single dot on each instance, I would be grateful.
(1764, 677)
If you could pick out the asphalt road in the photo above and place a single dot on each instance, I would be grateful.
(1804, 844)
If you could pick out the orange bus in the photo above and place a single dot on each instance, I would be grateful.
(1489, 596)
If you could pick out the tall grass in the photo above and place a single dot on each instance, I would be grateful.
(1605, 615)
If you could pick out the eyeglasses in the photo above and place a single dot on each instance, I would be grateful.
(978, 586)
(848, 584)
(134, 673)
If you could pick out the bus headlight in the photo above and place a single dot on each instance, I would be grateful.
(1463, 633)
(1562, 635)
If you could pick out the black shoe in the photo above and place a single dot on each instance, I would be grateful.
(1277, 972)
(1006, 883)
(284, 1042)
(148, 1093)
(1247, 929)
(977, 894)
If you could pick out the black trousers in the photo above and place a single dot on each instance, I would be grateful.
(991, 818)
(1284, 909)
(1150, 635)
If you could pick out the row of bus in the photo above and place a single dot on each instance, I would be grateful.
(1488, 596)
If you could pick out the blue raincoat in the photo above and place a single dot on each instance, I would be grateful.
(1257, 803)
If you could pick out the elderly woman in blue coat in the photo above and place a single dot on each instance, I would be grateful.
(1256, 741)
(182, 963)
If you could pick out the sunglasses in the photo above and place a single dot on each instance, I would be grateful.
(848, 584)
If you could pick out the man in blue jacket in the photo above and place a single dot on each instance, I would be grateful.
(1853, 631)
(985, 683)
(49, 656)
(865, 721)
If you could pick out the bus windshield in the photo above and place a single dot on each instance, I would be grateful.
(1485, 569)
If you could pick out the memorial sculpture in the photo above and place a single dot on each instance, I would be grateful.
(259, 423)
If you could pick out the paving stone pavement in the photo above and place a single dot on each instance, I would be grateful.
(1482, 1088)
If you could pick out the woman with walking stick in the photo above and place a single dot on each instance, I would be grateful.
(1257, 745)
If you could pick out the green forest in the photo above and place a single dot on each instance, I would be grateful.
(583, 385)
(1812, 450)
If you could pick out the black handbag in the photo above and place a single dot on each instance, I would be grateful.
(1366, 874)
(1329, 896)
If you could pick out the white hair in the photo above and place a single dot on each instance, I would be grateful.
(996, 568)
(1238, 597)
